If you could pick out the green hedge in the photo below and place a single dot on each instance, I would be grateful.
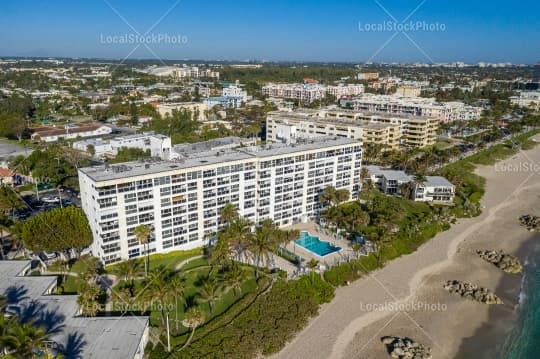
(267, 324)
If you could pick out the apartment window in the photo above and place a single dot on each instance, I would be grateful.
(146, 208)
(223, 170)
(178, 189)
(167, 244)
(106, 190)
(193, 175)
(126, 187)
(107, 202)
(146, 217)
(144, 184)
(165, 191)
(166, 223)
(130, 221)
(146, 195)
(178, 178)
(165, 202)
(161, 181)
(109, 216)
(166, 212)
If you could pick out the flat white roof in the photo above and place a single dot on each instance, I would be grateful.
(132, 169)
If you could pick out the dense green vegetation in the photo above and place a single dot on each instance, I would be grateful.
(57, 230)
(126, 154)
(267, 324)
(55, 164)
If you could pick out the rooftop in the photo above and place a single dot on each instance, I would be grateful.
(286, 115)
(437, 181)
(208, 155)
(80, 337)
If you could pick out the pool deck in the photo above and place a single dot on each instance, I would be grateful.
(328, 260)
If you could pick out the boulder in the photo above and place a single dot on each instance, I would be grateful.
(532, 223)
(506, 262)
(472, 292)
(401, 348)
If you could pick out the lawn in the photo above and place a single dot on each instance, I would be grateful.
(193, 278)
(168, 260)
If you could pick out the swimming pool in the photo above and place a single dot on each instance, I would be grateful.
(315, 245)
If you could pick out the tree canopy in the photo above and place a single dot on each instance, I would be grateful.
(58, 230)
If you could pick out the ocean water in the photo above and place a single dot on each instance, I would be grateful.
(523, 342)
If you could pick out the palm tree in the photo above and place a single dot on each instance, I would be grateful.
(7, 340)
(342, 195)
(210, 293)
(239, 236)
(228, 213)
(263, 243)
(407, 190)
(312, 264)
(192, 319)
(142, 233)
(158, 290)
(5, 224)
(234, 279)
(328, 195)
(356, 247)
(221, 253)
(88, 300)
(129, 270)
(29, 339)
(176, 286)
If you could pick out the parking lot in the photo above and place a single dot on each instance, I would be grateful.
(45, 200)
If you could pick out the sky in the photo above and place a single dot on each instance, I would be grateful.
(274, 30)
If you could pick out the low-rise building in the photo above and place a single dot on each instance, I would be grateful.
(68, 132)
(158, 145)
(435, 189)
(368, 76)
(224, 101)
(528, 99)
(75, 336)
(198, 109)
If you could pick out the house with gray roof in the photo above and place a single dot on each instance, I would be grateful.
(31, 298)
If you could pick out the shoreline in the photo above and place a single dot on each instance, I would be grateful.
(500, 323)
(344, 329)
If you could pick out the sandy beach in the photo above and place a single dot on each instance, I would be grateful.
(406, 298)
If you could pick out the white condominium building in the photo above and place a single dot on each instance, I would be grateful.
(310, 92)
(340, 91)
(527, 99)
(181, 199)
(416, 106)
(302, 92)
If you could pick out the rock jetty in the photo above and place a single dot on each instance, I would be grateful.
(406, 348)
(506, 262)
(472, 292)
(532, 223)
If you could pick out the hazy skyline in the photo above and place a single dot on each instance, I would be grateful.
(351, 31)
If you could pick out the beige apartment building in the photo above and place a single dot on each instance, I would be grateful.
(390, 130)
(289, 127)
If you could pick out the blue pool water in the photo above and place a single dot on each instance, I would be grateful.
(315, 245)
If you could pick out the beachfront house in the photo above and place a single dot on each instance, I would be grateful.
(433, 189)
